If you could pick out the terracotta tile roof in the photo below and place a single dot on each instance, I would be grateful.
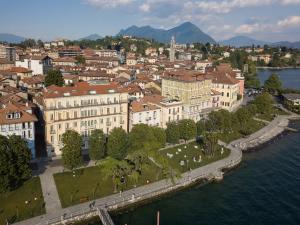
(223, 78)
(140, 106)
(12, 108)
(34, 80)
(19, 70)
(185, 75)
(65, 59)
(82, 88)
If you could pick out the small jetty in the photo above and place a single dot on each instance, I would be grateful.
(105, 217)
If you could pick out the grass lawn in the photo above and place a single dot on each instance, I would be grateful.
(12, 204)
(192, 151)
(271, 116)
(253, 126)
(89, 183)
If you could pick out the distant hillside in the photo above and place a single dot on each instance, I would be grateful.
(287, 44)
(92, 37)
(184, 33)
(241, 41)
(11, 38)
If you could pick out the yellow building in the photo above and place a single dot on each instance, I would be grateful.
(229, 87)
(84, 107)
(192, 88)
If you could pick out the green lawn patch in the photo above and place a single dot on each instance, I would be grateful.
(271, 116)
(89, 183)
(190, 155)
(12, 204)
(252, 126)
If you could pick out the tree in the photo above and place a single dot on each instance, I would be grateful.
(117, 143)
(200, 127)
(172, 133)
(80, 59)
(142, 137)
(187, 129)
(71, 151)
(160, 136)
(5, 166)
(54, 77)
(115, 169)
(15, 159)
(273, 84)
(210, 141)
(263, 103)
(97, 145)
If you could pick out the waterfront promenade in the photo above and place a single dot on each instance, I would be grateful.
(208, 172)
(138, 194)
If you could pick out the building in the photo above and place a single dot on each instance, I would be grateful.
(192, 88)
(71, 51)
(106, 53)
(228, 87)
(142, 112)
(292, 101)
(39, 65)
(18, 120)
(8, 53)
(83, 107)
(171, 110)
(172, 49)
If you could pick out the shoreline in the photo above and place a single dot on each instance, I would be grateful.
(276, 68)
(151, 192)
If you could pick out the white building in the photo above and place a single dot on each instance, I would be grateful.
(38, 64)
(144, 113)
(18, 120)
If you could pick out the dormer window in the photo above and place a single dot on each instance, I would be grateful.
(17, 115)
(10, 116)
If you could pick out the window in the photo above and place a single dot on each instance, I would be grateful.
(23, 126)
(29, 134)
(52, 139)
(227, 94)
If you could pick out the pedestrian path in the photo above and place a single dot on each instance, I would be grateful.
(51, 198)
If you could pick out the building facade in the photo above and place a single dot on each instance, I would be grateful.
(84, 107)
(20, 121)
(192, 88)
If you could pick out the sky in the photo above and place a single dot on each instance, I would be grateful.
(268, 20)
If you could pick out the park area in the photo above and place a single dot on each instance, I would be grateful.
(25, 202)
(90, 183)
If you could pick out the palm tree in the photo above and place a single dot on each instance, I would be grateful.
(165, 167)
(109, 168)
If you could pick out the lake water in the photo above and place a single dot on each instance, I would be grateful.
(263, 190)
(289, 77)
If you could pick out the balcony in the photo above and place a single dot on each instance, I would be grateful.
(52, 132)
(122, 122)
(108, 124)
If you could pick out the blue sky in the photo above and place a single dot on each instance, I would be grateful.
(269, 20)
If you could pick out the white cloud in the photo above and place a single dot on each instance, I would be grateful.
(290, 2)
(109, 3)
(226, 6)
(145, 7)
(291, 21)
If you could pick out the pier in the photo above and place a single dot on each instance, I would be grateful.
(105, 217)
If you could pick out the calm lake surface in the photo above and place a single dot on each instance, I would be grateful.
(263, 190)
(289, 77)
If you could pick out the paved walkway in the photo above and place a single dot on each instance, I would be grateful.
(52, 202)
(274, 128)
(139, 193)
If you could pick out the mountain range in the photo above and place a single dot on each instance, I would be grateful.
(184, 33)
(11, 38)
(92, 37)
(242, 41)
